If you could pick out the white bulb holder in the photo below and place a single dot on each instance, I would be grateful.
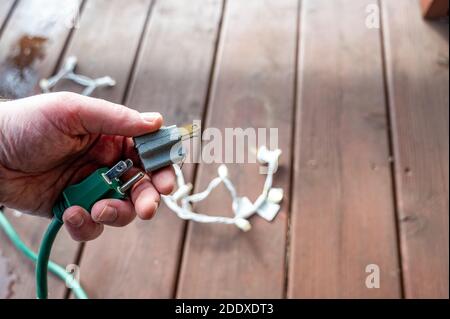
(266, 205)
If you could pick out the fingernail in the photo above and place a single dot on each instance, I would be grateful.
(75, 219)
(150, 116)
(108, 214)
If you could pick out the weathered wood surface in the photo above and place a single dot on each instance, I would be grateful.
(172, 76)
(418, 80)
(253, 88)
(343, 215)
(362, 118)
(31, 44)
(5, 9)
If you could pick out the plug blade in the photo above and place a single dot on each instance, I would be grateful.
(188, 131)
(136, 178)
(119, 169)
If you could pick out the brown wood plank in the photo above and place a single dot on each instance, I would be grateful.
(253, 88)
(99, 48)
(343, 216)
(418, 79)
(32, 18)
(5, 8)
(40, 20)
(107, 46)
(172, 72)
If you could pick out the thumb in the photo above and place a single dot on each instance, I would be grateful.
(103, 117)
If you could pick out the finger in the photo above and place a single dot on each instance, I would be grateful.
(80, 225)
(145, 198)
(113, 212)
(103, 117)
(164, 180)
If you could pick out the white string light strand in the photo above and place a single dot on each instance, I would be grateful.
(67, 72)
(266, 205)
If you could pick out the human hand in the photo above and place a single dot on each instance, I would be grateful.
(50, 141)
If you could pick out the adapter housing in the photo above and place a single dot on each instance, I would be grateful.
(161, 148)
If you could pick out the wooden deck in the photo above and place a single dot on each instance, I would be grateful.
(363, 119)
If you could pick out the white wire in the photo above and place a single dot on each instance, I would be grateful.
(67, 72)
(241, 214)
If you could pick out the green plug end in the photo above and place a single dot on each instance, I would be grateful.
(103, 183)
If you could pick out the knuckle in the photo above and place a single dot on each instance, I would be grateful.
(70, 102)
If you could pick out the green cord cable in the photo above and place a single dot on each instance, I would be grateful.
(44, 256)
(102, 183)
(54, 268)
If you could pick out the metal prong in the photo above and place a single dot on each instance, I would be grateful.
(117, 170)
(136, 178)
(188, 131)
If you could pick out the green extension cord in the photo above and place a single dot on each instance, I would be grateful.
(44, 257)
(103, 183)
(155, 150)
(54, 268)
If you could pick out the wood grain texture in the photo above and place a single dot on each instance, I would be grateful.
(106, 44)
(105, 29)
(43, 21)
(31, 229)
(253, 88)
(33, 18)
(172, 72)
(343, 215)
(5, 8)
(418, 79)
